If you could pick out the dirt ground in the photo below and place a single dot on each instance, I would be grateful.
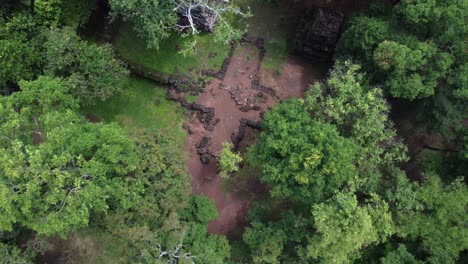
(295, 77)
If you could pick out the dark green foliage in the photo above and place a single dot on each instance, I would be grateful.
(17, 61)
(53, 13)
(201, 210)
(416, 50)
(266, 243)
(400, 256)
(13, 255)
(91, 71)
(19, 57)
(76, 13)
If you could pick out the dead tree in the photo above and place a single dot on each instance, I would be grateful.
(203, 15)
(173, 254)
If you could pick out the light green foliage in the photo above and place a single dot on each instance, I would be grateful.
(157, 20)
(435, 214)
(152, 19)
(91, 71)
(165, 217)
(10, 254)
(229, 160)
(168, 58)
(70, 169)
(55, 13)
(412, 72)
(400, 256)
(344, 227)
(266, 243)
(360, 112)
(48, 11)
(142, 105)
(302, 159)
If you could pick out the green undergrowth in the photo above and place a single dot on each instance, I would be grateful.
(142, 105)
(274, 23)
(191, 98)
(208, 53)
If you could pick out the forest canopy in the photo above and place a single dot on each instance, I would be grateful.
(368, 166)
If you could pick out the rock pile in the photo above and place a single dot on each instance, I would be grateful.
(236, 94)
(176, 81)
(238, 136)
(317, 33)
(264, 89)
(203, 150)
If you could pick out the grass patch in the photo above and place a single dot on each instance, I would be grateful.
(276, 52)
(142, 105)
(109, 248)
(191, 98)
(209, 54)
(274, 23)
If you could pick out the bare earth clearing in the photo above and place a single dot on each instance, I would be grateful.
(296, 75)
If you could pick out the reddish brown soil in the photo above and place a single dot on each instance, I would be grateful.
(233, 207)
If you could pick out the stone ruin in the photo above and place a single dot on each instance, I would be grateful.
(317, 33)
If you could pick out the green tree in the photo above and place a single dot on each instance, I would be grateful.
(412, 72)
(48, 11)
(19, 59)
(166, 218)
(153, 20)
(92, 72)
(75, 13)
(57, 168)
(344, 227)
(157, 20)
(302, 159)
(228, 161)
(435, 214)
(416, 49)
(266, 242)
(201, 209)
(10, 254)
(360, 113)
(358, 110)
(400, 256)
